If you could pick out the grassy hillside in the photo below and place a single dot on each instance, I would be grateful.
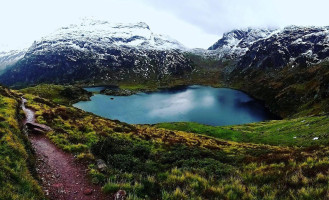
(156, 163)
(289, 91)
(297, 132)
(16, 181)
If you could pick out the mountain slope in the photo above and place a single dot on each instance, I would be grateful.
(256, 47)
(7, 59)
(236, 43)
(293, 46)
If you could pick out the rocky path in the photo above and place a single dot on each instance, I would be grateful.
(62, 177)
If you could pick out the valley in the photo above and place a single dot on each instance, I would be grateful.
(230, 163)
(245, 154)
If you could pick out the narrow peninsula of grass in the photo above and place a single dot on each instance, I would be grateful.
(60, 94)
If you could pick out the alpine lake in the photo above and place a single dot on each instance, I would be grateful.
(201, 104)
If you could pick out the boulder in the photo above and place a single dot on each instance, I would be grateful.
(32, 125)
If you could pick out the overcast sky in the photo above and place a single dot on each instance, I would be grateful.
(195, 23)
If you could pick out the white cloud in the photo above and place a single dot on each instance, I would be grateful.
(218, 16)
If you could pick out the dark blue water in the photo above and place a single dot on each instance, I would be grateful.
(206, 105)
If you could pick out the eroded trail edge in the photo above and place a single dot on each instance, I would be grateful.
(61, 176)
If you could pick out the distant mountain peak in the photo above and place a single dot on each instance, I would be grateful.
(237, 42)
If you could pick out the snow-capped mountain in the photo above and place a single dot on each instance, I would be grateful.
(236, 43)
(255, 47)
(96, 36)
(99, 52)
(292, 45)
(102, 53)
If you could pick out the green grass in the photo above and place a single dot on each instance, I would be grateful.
(16, 182)
(217, 132)
(288, 132)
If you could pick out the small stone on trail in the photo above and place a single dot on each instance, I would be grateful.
(87, 191)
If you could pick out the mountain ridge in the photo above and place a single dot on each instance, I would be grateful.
(102, 53)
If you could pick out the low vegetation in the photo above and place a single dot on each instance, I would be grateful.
(297, 132)
(236, 162)
(289, 92)
(16, 181)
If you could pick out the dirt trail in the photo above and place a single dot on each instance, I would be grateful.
(62, 177)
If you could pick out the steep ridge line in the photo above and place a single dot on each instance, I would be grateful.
(61, 176)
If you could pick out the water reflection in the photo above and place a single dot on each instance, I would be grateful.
(213, 106)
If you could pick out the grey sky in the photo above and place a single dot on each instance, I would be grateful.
(195, 23)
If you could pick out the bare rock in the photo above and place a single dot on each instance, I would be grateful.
(43, 127)
(101, 165)
(120, 195)
(37, 131)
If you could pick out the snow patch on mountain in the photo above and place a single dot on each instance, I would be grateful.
(9, 58)
(237, 42)
(97, 36)
(292, 45)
